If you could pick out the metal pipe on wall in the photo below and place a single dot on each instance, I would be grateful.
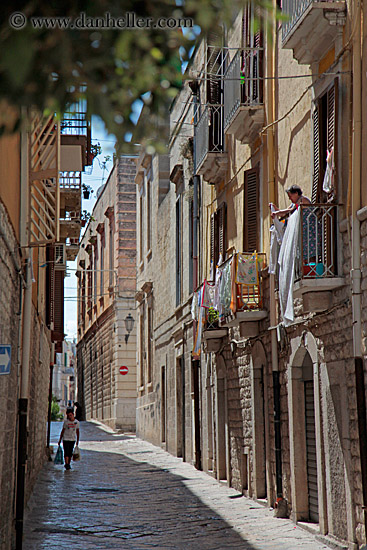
(270, 111)
(23, 407)
(356, 254)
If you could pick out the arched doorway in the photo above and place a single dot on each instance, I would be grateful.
(303, 422)
(260, 428)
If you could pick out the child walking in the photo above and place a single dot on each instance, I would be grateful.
(69, 433)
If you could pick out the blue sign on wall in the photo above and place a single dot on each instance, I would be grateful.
(5, 359)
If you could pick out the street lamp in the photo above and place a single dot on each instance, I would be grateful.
(129, 324)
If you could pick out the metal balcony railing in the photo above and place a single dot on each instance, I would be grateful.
(72, 216)
(248, 297)
(242, 82)
(74, 121)
(294, 9)
(70, 181)
(317, 249)
(209, 133)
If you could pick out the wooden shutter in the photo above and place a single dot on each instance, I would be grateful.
(331, 116)
(217, 235)
(222, 222)
(316, 154)
(251, 210)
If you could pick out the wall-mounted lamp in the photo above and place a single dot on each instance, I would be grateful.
(129, 324)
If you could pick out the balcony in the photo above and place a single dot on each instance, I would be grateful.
(70, 190)
(75, 138)
(70, 224)
(243, 95)
(316, 268)
(312, 28)
(211, 158)
(249, 308)
(72, 248)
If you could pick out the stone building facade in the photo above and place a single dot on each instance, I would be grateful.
(106, 303)
(271, 404)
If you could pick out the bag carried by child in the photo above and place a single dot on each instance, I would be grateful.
(76, 453)
(59, 457)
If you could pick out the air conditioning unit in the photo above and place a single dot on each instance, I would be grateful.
(60, 256)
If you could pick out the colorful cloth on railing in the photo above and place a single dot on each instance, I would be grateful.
(247, 272)
(225, 293)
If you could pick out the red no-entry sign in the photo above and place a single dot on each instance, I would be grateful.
(124, 370)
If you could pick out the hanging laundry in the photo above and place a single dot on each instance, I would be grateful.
(208, 294)
(199, 332)
(287, 258)
(225, 289)
(218, 276)
(247, 272)
(194, 307)
(276, 237)
(328, 183)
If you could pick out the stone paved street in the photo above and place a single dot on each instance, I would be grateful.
(127, 494)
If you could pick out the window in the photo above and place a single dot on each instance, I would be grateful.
(150, 344)
(191, 246)
(142, 345)
(251, 206)
(149, 216)
(178, 251)
(324, 139)
(218, 226)
(101, 277)
(95, 256)
(252, 56)
(111, 266)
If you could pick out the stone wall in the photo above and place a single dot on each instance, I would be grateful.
(9, 385)
(9, 331)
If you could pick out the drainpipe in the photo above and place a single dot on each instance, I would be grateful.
(356, 255)
(23, 406)
(195, 90)
(270, 68)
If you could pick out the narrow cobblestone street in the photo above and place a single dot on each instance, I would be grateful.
(126, 493)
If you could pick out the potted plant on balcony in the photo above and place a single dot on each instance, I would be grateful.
(213, 318)
(86, 217)
(87, 190)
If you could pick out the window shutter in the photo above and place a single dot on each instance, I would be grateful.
(316, 155)
(222, 222)
(331, 116)
(251, 210)
(212, 237)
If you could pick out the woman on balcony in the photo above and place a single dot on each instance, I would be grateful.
(311, 225)
(296, 197)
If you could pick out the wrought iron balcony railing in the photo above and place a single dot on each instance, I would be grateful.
(248, 297)
(295, 9)
(209, 133)
(243, 85)
(317, 249)
(70, 181)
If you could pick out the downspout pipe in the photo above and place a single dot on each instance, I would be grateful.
(270, 96)
(195, 90)
(23, 407)
(356, 255)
